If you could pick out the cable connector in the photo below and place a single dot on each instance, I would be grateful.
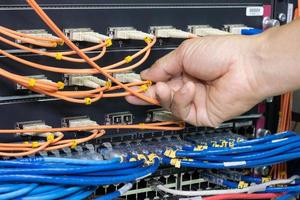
(42, 33)
(169, 32)
(75, 122)
(128, 33)
(85, 35)
(205, 30)
(33, 125)
(130, 77)
(85, 81)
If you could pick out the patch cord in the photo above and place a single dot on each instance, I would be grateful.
(53, 137)
(41, 177)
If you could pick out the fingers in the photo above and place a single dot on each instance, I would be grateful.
(137, 101)
(168, 66)
(182, 103)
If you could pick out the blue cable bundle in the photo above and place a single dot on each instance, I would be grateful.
(264, 151)
(47, 178)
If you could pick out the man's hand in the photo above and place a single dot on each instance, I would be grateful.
(207, 80)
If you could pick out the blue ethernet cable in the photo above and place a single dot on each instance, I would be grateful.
(18, 193)
(79, 180)
(117, 193)
(266, 138)
(11, 187)
(55, 194)
(288, 196)
(81, 195)
(254, 156)
(72, 170)
(239, 149)
(251, 179)
(117, 172)
(68, 160)
(43, 189)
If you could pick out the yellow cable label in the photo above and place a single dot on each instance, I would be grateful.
(74, 144)
(31, 82)
(60, 85)
(266, 179)
(148, 40)
(144, 88)
(231, 144)
(152, 156)
(108, 42)
(58, 56)
(242, 185)
(35, 144)
(175, 162)
(60, 42)
(50, 138)
(149, 83)
(128, 59)
(88, 101)
(108, 84)
(132, 159)
(200, 148)
(141, 157)
(26, 142)
(54, 44)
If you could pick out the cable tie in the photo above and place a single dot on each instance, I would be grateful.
(108, 84)
(88, 101)
(31, 82)
(50, 137)
(60, 85)
(58, 56)
(148, 40)
(108, 42)
(74, 144)
(144, 88)
(35, 144)
(128, 59)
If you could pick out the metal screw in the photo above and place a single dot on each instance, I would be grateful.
(282, 17)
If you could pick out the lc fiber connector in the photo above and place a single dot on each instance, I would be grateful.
(205, 30)
(84, 35)
(80, 121)
(127, 33)
(169, 32)
(33, 125)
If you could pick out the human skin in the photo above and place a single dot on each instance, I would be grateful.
(208, 80)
